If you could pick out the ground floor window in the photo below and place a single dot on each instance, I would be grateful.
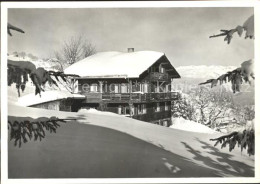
(157, 107)
(166, 106)
(141, 109)
(123, 109)
(119, 110)
(144, 108)
(132, 110)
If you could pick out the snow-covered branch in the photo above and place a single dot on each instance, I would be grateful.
(18, 72)
(23, 129)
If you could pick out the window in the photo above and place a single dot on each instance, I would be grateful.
(123, 88)
(157, 109)
(162, 70)
(144, 108)
(139, 109)
(123, 109)
(166, 106)
(132, 110)
(145, 88)
(116, 88)
(93, 88)
(119, 111)
(127, 110)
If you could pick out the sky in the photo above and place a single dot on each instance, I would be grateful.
(181, 33)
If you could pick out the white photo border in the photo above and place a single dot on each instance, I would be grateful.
(122, 4)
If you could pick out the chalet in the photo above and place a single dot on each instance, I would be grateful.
(135, 84)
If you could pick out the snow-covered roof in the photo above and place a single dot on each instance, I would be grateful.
(47, 96)
(130, 64)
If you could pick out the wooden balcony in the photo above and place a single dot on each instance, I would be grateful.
(130, 97)
(156, 76)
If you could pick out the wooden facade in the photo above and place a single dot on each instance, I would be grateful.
(147, 98)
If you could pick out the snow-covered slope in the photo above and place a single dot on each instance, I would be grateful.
(203, 71)
(104, 146)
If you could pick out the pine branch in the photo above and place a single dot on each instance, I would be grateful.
(11, 27)
(24, 129)
(39, 76)
(245, 139)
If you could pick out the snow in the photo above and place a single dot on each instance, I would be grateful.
(32, 99)
(105, 146)
(191, 126)
(114, 63)
(204, 71)
(95, 111)
(47, 65)
(249, 26)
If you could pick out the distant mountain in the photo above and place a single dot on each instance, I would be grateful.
(192, 75)
(47, 64)
(203, 71)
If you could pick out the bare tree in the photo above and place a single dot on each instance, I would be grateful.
(74, 49)
(59, 60)
(88, 50)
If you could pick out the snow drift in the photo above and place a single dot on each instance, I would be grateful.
(191, 126)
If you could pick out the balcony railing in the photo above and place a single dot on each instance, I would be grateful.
(126, 97)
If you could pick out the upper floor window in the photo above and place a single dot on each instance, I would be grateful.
(162, 70)
(93, 88)
(123, 88)
(114, 88)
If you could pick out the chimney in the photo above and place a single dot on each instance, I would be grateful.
(131, 49)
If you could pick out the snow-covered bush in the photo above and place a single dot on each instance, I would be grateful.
(211, 105)
(183, 108)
